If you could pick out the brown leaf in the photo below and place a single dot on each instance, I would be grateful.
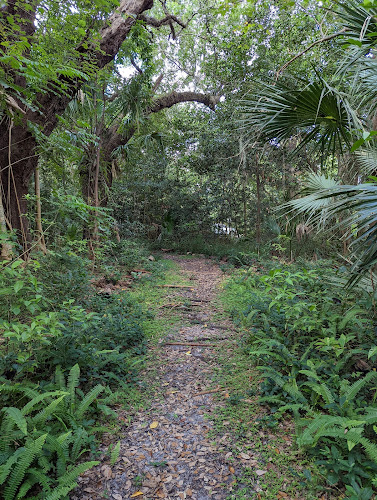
(232, 470)
(189, 492)
(245, 456)
(136, 494)
(281, 494)
(153, 425)
(107, 472)
(260, 472)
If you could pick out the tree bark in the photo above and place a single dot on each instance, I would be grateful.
(18, 156)
(38, 216)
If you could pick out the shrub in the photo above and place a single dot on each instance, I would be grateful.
(310, 341)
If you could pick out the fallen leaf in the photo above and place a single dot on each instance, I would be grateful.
(189, 492)
(136, 494)
(259, 472)
(188, 353)
(281, 494)
(153, 425)
(245, 456)
(232, 470)
(107, 472)
(117, 497)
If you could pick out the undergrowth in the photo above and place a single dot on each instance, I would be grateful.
(314, 347)
(68, 354)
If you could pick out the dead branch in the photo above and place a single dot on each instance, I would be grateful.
(192, 344)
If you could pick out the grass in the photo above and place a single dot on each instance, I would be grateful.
(153, 296)
(129, 400)
(278, 469)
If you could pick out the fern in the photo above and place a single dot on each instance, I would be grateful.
(59, 378)
(61, 492)
(18, 473)
(17, 418)
(38, 399)
(44, 414)
(73, 382)
(114, 453)
(38, 477)
(6, 468)
(88, 400)
(26, 487)
(80, 439)
(352, 391)
(68, 480)
(321, 390)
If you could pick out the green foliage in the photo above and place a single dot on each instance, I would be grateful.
(44, 437)
(309, 342)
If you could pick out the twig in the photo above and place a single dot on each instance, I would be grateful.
(175, 286)
(324, 39)
(190, 344)
(219, 389)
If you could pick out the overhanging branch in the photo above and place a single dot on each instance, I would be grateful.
(169, 100)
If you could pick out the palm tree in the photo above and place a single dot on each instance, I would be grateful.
(336, 116)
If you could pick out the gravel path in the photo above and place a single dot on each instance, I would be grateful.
(165, 451)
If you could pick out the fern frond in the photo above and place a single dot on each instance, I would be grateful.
(294, 408)
(70, 477)
(17, 418)
(18, 473)
(43, 415)
(88, 400)
(59, 378)
(80, 439)
(41, 478)
(73, 382)
(114, 454)
(321, 390)
(40, 397)
(311, 374)
(354, 389)
(6, 468)
(25, 488)
(61, 492)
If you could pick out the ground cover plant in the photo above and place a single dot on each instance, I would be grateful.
(67, 352)
(313, 344)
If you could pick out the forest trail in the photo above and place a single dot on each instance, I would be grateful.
(166, 451)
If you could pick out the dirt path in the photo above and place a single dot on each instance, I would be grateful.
(166, 452)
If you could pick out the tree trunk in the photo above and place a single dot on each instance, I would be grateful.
(258, 222)
(18, 154)
(38, 216)
(6, 247)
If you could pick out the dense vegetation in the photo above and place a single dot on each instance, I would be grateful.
(135, 127)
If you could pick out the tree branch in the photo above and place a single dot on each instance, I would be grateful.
(324, 39)
(169, 100)
(116, 140)
(157, 23)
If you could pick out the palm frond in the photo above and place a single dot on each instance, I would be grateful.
(315, 110)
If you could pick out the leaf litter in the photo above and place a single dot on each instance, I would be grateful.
(166, 452)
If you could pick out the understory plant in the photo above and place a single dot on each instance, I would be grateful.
(311, 342)
(44, 437)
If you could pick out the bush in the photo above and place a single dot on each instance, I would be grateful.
(105, 343)
(312, 344)
(64, 276)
